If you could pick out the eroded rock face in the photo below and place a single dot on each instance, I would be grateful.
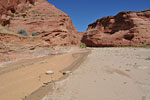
(124, 29)
(53, 25)
(15, 47)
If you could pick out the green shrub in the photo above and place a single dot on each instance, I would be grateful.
(82, 45)
(43, 31)
(34, 33)
(12, 16)
(147, 45)
(33, 3)
(144, 46)
(24, 16)
(16, 13)
(30, 7)
(23, 32)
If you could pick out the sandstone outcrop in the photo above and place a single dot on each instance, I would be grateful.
(125, 29)
(14, 47)
(53, 25)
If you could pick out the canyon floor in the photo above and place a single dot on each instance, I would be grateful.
(19, 79)
(107, 74)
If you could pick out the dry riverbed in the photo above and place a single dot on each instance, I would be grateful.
(20, 79)
(108, 74)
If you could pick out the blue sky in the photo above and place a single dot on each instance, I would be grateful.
(84, 12)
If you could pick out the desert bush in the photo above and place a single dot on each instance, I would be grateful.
(32, 3)
(24, 16)
(23, 32)
(144, 46)
(16, 13)
(147, 46)
(30, 7)
(34, 33)
(82, 45)
(43, 31)
(12, 16)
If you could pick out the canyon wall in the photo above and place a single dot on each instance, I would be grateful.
(125, 29)
(50, 23)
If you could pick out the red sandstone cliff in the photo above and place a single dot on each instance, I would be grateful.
(124, 29)
(53, 28)
(53, 25)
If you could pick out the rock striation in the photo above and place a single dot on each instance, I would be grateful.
(15, 47)
(53, 25)
(125, 29)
